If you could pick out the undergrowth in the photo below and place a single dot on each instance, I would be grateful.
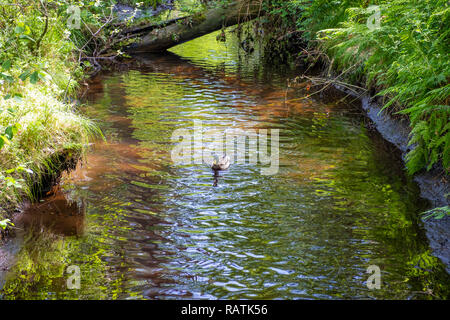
(406, 58)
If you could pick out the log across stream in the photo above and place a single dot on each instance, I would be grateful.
(160, 37)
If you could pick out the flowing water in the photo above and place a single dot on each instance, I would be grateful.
(138, 225)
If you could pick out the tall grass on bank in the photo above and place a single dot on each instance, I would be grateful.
(406, 59)
(45, 126)
(37, 71)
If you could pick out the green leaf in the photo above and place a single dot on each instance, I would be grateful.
(43, 75)
(6, 77)
(26, 37)
(24, 75)
(3, 141)
(22, 168)
(34, 77)
(436, 213)
(6, 65)
(10, 181)
(11, 131)
(18, 97)
(19, 29)
(4, 223)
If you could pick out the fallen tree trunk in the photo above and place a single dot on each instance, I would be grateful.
(188, 28)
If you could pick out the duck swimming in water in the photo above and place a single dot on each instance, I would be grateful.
(220, 163)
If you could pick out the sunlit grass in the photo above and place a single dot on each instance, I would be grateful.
(34, 82)
(47, 126)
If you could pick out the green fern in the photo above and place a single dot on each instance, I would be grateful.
(436, 213)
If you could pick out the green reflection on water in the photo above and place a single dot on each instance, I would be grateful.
(339, 203)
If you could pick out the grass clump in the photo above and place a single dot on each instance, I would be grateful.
(44, 126)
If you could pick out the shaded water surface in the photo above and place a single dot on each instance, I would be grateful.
(139, 226)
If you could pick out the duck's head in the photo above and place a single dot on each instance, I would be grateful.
(218, 160)
(220, 163)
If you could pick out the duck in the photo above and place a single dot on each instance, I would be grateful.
(220, 163)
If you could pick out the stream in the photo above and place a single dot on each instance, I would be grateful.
(137, 225)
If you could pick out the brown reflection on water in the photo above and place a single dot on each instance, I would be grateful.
(54, 214)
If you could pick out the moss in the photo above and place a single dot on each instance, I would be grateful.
(198, 17)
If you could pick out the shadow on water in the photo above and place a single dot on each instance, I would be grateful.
(139, 226)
